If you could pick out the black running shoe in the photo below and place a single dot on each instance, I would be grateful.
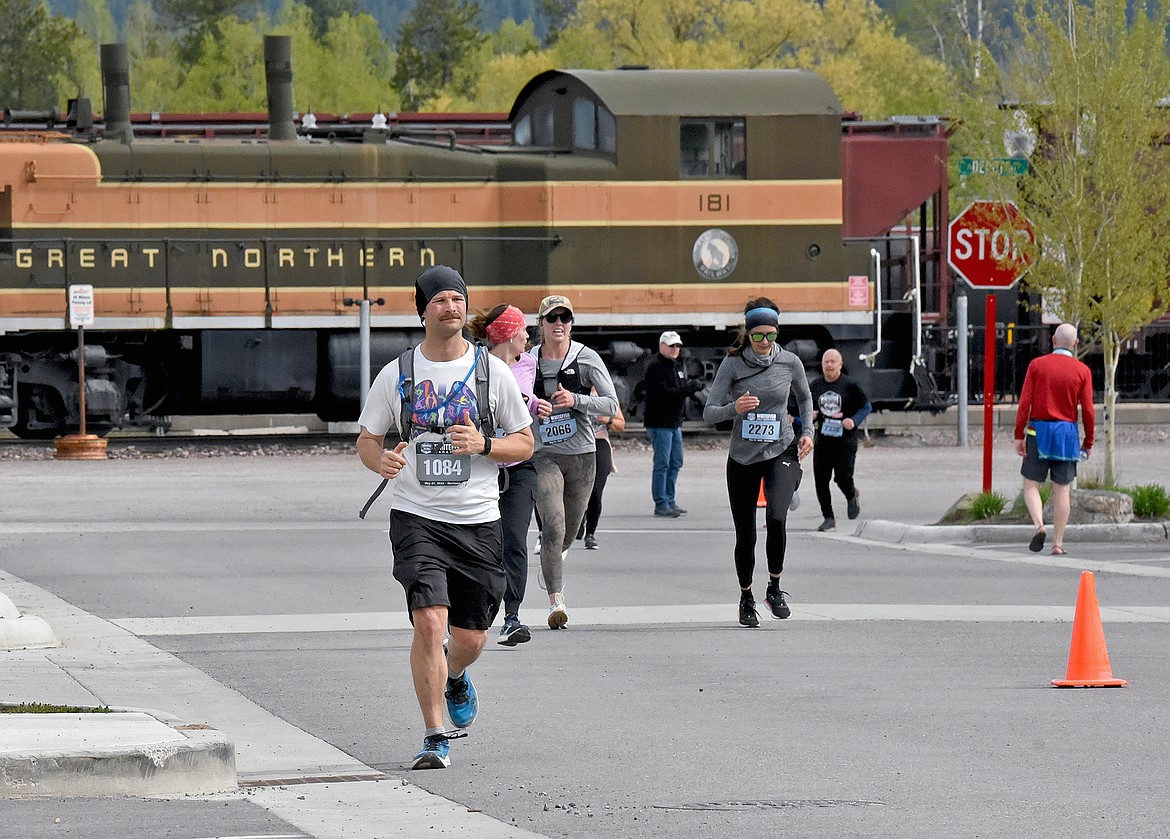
(853, 505)
(747, 610)
(776, 602)
(514, 632)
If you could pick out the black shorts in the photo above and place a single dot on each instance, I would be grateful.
(1036, 468)
(459, 566)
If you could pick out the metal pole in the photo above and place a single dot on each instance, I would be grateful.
(988, 388)
(962, 364)
(81, 373)
(364, 350)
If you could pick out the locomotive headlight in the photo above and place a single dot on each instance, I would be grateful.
(813, 251)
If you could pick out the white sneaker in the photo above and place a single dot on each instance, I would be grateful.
(558, 615)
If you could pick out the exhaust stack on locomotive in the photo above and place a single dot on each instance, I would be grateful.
(116, 89)
(278, 76)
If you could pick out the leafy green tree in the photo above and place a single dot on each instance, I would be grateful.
(436, 50)
(34, 47)
(1093, 86)
(194, 20)
(848, 42)
(154, 76)
(228, 74)
(324, 11)
(556, 15)
(350, 68)
(95, 20)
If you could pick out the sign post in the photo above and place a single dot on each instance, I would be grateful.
(989, 245)
(81, 446)
(81, 316)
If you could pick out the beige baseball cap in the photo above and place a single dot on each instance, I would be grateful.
(554, 301)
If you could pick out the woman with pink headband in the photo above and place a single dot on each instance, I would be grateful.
(505, 330)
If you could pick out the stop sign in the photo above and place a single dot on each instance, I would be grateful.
(989, 244)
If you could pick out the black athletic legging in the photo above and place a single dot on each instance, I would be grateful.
(604, 467)
(781, 476)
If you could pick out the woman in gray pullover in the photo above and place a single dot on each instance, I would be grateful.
(751, 389)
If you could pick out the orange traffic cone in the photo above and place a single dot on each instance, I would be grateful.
(1088, 660)
(762, 501)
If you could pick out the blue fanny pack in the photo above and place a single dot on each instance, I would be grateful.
(1057, 439)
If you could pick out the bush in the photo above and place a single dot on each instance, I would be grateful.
(987, 505)
(1150, 501)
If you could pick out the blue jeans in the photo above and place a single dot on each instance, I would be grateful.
(668, 460)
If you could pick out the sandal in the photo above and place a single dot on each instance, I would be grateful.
(1037, 542)
(1057, 550)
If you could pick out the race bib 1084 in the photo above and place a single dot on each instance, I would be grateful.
(438, 465)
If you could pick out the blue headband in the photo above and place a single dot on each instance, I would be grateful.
(762, 316)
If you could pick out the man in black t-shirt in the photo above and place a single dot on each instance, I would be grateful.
(839, 406)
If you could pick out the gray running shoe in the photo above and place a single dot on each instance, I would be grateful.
(853, 506)
(827, 525)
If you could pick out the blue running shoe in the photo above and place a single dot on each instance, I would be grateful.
(434, 753)
(462, 703)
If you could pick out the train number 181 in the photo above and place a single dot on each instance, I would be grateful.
(714, 203)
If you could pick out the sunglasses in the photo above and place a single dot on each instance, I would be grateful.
(763, 336)
(563, 317)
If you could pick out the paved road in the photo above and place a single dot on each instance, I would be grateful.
(907, 697)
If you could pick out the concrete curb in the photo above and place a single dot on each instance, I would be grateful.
(166, 757)
(880, 530)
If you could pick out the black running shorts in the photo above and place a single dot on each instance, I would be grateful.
(454, 565)
(1036, 468)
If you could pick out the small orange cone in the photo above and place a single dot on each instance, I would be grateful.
(762, 501)
(1088, 660)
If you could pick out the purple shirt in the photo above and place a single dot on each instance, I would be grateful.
(524, 372)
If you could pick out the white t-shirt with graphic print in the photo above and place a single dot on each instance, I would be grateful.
(444, 394)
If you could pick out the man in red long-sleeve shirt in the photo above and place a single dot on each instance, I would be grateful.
(1046, 431)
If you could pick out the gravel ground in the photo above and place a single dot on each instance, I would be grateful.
(128, 448)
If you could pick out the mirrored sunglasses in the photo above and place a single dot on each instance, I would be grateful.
(763, 336)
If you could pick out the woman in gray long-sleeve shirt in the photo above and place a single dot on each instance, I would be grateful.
(751, 388)
(565, 455)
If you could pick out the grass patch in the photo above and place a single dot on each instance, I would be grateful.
(42, 708)
(1150, 501)
(1095, 480)
(987, 505)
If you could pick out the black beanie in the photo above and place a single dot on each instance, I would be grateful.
(433, 280)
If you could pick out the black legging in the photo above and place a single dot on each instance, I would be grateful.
(604, 467)
(781, 476)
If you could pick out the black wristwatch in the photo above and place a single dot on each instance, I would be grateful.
(487, 446)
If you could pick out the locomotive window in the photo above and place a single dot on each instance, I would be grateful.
(606, 131)
(522, 133)
(542, 127)
(584, 124)
(710, 148)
